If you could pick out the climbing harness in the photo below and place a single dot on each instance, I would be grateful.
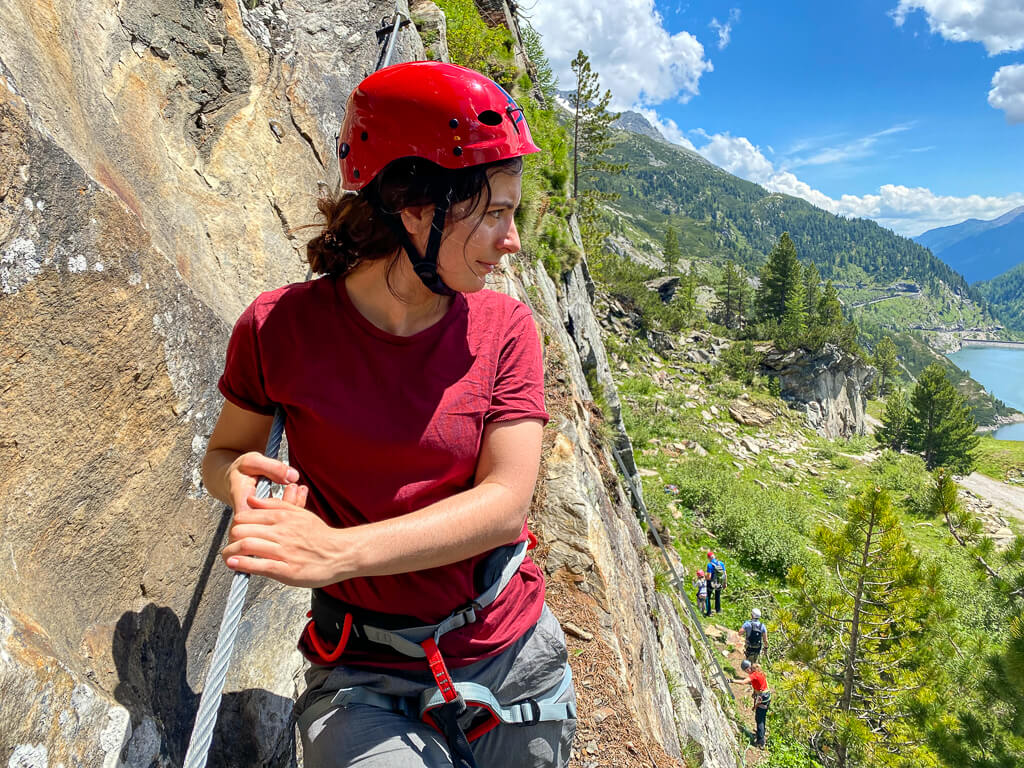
(443, 706)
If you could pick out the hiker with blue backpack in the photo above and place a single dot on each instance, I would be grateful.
(755, 636)
(716, 582)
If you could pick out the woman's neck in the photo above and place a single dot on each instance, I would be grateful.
(414, 309)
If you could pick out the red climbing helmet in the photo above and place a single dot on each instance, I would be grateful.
(447, 114)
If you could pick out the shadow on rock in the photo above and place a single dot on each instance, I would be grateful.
(254, 727)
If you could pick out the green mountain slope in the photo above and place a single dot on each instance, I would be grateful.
(1005, 295)
(889, 284)
(721, 217)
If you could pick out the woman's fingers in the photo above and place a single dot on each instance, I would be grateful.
(295, 494)
(291, 494)
(256, 464)
(251, 547)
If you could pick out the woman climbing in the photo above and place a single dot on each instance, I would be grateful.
(415, 408)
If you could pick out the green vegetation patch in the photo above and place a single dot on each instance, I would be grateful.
(1001, 459)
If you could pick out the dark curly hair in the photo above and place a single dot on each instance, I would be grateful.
(365, 226)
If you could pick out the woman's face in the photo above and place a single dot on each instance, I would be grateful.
(473, 245)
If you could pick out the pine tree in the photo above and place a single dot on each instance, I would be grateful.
(1005, 568)
(989, 733)
(893, 433)
(545, 84)
(885, 361)
(592, 138)
(592, 132)
(671, 251)
(830, 310)
(985, 727)
(794, 321)
(941, 426)
(812, 290)
(732, 294)
(686, 295)
(778, 276)
(860, 638)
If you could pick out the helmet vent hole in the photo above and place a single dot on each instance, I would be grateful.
(453, 123)
(364, 136)
(489, 117)
(457, 151)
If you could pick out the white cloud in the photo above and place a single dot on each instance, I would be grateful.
(996, 24)
(1008, 92)
(668, 127)
(725, 30)
(738, 156)
(907, 210)
(628, 47)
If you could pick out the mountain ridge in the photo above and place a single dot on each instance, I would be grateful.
(980, 249)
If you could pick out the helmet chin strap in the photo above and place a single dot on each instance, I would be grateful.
(424, 265)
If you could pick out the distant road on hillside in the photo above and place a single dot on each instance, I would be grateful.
(992, 343)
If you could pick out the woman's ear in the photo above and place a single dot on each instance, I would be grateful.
(417, 220)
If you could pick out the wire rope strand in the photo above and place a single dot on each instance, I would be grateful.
(677, 580)
(209, 701)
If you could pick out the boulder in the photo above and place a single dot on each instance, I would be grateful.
(827, 385)
(750, 415)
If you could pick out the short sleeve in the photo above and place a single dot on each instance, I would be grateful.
(519, 379)
(242, 382)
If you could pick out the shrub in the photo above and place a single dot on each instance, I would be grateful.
(763, 526)
(842, 462)
(833, 487)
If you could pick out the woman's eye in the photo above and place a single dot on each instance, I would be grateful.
(496, 214)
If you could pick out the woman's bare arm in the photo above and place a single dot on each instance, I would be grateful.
(280, 539)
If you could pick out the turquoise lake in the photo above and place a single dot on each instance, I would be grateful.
(1001, 372)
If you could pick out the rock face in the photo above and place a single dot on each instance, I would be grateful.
(155, 158)
(828, 386)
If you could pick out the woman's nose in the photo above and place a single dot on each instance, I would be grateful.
(510, 242)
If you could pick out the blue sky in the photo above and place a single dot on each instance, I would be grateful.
(910, 112)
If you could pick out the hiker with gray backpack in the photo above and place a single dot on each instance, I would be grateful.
(755, 636)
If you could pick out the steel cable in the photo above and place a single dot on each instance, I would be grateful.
(209, 701)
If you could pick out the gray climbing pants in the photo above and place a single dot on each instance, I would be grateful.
(370, 737)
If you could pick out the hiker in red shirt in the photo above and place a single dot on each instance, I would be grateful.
(414, 409)
(762, 696)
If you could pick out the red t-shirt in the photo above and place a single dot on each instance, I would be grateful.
(380, 425)
(758, 681)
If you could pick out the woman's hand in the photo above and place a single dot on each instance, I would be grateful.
(281, 539)
(245, 471)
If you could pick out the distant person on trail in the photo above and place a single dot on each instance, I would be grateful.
(716, 582)
(414, 405)
(761, 697)
(701, 585)
(755, 635)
